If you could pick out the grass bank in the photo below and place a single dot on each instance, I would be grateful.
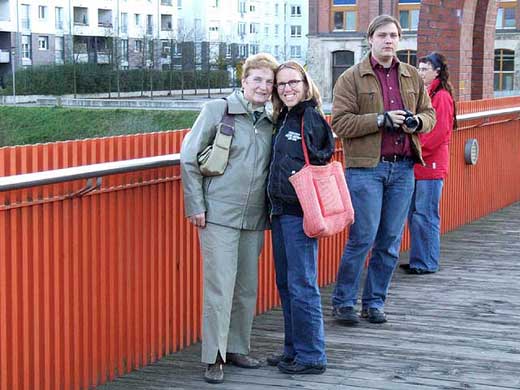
(30, 125)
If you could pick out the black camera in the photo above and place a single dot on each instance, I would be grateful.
(409, 120)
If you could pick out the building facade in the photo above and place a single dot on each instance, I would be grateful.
(337, 38)
(149, 33)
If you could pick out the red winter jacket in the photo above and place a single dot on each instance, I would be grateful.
(435, 143)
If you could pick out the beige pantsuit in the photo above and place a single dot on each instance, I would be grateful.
(230, 266)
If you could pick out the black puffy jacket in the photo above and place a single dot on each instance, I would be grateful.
(287, 153)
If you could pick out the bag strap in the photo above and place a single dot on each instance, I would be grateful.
(228, 122)
(304, 146)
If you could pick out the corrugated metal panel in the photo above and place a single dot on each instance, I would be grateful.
(94, 286)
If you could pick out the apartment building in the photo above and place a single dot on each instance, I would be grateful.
(337, 38)
(272, 26)
(149, 33)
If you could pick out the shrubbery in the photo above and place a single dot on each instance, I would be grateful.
(92, 78)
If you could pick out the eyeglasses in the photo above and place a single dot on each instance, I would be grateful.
(291, 83)
(260, 81)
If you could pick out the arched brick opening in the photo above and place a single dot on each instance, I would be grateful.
(464, 31)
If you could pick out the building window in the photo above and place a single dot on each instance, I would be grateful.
(124, 22)
(504, 70)
(81, 16)
(409, 17)
(26, 17)
(228, 51)
(137, 18)
(213, 28)
(177, 49)
(276, 9)
(345, 21)
(276, 30)
(26, 46)
(254, 49)
(296, 51)
(149, 24)
(58, 16)
(506, 15)
(124, 50)
(276, 50)
(179, 4)
(58, 50)
(138, 46)
(104, 18)
(296, 31)
(215, 3)
(242, 7)
(408, 56)
(42, 12)
(43, 43)
(241, 29)
(252, 8)
(344, 2)
(266, 30)
(253, 28)
(166, 23)
(166, 2)
(296, 11)
(242, 50)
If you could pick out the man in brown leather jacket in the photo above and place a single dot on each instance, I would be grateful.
(379, 107)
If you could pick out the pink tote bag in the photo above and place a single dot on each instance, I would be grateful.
(324, 197)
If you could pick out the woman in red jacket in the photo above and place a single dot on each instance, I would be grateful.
(424, 219)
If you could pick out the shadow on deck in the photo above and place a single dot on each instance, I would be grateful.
(456, 329)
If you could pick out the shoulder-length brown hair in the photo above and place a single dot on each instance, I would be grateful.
(312, 92)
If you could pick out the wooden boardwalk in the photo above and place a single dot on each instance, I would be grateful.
(456, 329)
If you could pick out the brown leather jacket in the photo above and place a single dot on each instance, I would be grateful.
(358, 100)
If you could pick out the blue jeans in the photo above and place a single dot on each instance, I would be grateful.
(381, 198)
(296, 263)
(425, 225)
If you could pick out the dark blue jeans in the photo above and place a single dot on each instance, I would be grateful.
(381, 200)
(425, 225)
(296, 263)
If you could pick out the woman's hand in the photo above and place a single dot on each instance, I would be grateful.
(199, 220)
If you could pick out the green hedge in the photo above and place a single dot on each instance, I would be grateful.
(92, 78)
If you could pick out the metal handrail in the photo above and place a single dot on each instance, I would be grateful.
(28, 180)
(17, 182)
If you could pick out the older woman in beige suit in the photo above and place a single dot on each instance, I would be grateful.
(231, 215)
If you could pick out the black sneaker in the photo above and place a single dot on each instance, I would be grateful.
(275, 359)
(374, 315)
(346, 315)
(297, 368)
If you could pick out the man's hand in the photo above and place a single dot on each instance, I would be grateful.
(198, 220)
(397, 117)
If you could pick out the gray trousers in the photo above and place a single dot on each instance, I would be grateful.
(230, 264)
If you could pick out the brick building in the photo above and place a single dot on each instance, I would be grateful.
(479, 37)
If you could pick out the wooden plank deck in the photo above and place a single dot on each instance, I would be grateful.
(456, 329)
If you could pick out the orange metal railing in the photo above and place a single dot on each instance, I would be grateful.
(95, 285)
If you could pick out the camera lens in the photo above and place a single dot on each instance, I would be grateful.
(411, 122)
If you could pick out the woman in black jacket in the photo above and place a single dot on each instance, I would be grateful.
(296, 104)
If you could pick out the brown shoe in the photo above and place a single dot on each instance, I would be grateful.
(214, 373)
(241, 360)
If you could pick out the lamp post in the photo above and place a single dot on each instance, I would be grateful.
(13, 71)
